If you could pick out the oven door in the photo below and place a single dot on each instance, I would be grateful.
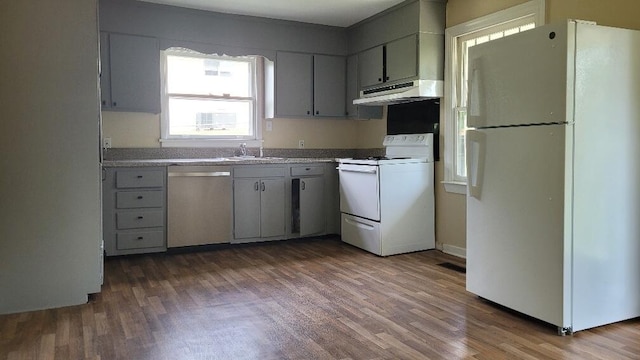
(360, 190)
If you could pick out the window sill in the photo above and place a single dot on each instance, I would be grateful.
(455, 187)
(219, 143)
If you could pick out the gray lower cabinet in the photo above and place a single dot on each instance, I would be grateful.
(308, 209)
(134, 210)
(310, 85)
(130, 78)
(258, 202)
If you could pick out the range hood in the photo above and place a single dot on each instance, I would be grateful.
(401, 93)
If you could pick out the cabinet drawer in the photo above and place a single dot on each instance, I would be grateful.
(258, 171)
(139, 219)
(139, 240)
(139, 199)
(307, 170)
(139, 178)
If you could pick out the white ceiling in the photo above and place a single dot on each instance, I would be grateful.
(326, 12)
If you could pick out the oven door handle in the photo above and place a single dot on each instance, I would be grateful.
(359, 224)
(372, 171)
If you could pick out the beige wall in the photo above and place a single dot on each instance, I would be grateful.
(128, 130)
(451, 208)
(618, 13)
(131, 130)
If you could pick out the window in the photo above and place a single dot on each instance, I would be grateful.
(458, 40)
(208, 98)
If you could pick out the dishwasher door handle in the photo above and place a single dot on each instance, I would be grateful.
(200, 174)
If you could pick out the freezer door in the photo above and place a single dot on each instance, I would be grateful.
(508, 85)
(515, 218)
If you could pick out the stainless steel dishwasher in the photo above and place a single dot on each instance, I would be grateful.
(199, 205)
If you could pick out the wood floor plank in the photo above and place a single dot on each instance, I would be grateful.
(310, 299)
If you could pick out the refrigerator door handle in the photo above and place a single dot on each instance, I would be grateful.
(476, 143)
(474, 112)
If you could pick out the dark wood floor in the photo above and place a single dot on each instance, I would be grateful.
(312, 299)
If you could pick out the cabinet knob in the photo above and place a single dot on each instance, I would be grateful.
(387, 78)
(308, 112)
(115, 104)
(379, 80)
(104, 103)
(317, 112)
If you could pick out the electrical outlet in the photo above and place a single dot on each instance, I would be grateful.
(300, 144)
(106, 143)
(269, 125)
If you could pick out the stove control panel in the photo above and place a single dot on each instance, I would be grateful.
(408, 140)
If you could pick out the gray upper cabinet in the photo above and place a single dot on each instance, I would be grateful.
(402, 59)
(396, 60)
(134, 73)
(353, 92)
(310, 85)
(371, 65)
(400, 44)
(294, 84)
(329, 81)
(105, 76)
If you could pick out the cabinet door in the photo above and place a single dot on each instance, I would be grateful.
(105, 73)
(370, 63)
(294, 84)
(272, 207)
(402, 58)
(329, 81)
(135, 73)
(312, 207)
(353, 92)
(246, 208)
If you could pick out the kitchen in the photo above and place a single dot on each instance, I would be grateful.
(139, 130)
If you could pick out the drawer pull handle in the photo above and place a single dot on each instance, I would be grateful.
(263, 187)
(255, 186)
(140, 217)
(140, 237)
(139, 176)
(140, 197)
(307, 169)
(303, 185)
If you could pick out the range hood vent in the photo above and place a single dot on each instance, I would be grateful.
(401, 93)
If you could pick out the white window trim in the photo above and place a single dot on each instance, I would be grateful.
(533, 7)
(256, 141)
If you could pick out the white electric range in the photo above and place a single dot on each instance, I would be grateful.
(387, 203)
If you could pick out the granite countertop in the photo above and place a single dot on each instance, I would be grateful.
(132, 157)
(213, 161)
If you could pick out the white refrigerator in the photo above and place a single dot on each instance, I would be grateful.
(553, 165)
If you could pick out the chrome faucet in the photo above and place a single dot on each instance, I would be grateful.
(243, 149)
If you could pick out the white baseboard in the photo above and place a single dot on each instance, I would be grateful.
(454, 250)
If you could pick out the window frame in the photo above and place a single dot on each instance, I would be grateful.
(167, 140)
(534, 8)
